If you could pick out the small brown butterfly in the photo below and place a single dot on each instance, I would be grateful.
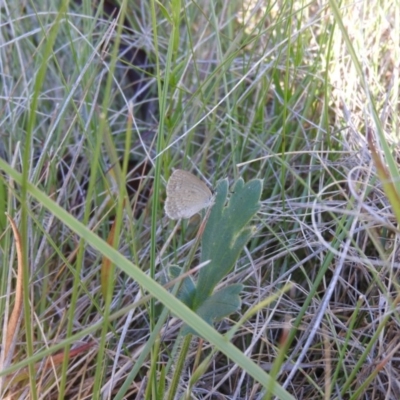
(186, 195)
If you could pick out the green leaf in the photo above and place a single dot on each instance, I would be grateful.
(187, 290)
(221, 304)
(226, 233)
(164, 12)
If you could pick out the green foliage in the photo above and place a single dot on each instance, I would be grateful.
(187, 289)
(217, 306)
(224, 237)
(226, 233)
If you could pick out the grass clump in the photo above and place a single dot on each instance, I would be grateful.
(98, 106)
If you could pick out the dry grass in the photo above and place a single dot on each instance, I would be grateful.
(272, 91)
